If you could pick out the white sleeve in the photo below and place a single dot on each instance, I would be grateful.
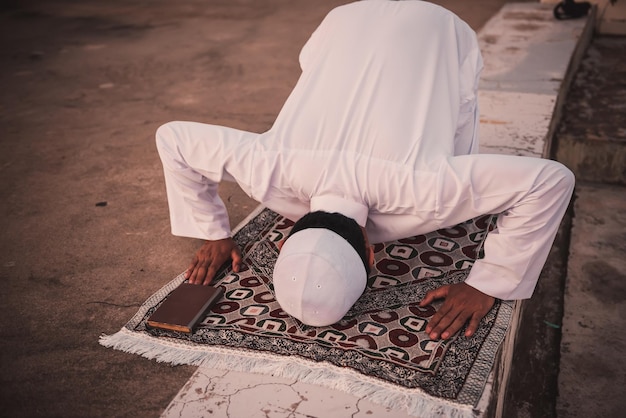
(195, 159)
(530, 195)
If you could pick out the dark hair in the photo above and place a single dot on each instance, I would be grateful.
(340, 224)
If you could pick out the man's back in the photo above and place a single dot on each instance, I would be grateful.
(381, 79)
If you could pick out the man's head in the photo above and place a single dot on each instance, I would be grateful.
(322, 268)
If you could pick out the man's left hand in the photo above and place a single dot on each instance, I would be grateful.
(462, 303)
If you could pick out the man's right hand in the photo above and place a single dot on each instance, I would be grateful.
(210, 257)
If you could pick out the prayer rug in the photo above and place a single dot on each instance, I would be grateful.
(379, 349)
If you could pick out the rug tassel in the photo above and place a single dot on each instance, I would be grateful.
(416, 404)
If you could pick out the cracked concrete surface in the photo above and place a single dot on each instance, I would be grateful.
(227, 394)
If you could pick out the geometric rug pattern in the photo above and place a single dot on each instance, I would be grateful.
(379, 347)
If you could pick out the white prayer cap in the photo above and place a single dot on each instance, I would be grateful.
(318, 276)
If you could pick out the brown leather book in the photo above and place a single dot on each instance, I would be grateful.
(184, 307)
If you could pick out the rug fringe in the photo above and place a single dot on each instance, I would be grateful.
(415, 402)
(152, 348)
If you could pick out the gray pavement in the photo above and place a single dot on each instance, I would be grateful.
(592, 374)
(592, 141)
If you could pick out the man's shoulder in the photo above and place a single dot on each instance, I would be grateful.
(412, 15)
(390, 7)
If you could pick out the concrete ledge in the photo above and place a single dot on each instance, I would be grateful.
(530, 59)
(592, 138)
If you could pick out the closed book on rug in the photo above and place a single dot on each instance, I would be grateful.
(184, 307)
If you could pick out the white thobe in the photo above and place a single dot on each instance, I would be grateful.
(381, 127)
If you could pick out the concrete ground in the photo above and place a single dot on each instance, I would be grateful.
(568, 358)
(85, 230)
(592, 141)
(83, 211)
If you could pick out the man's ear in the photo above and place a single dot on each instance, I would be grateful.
(371, 258)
